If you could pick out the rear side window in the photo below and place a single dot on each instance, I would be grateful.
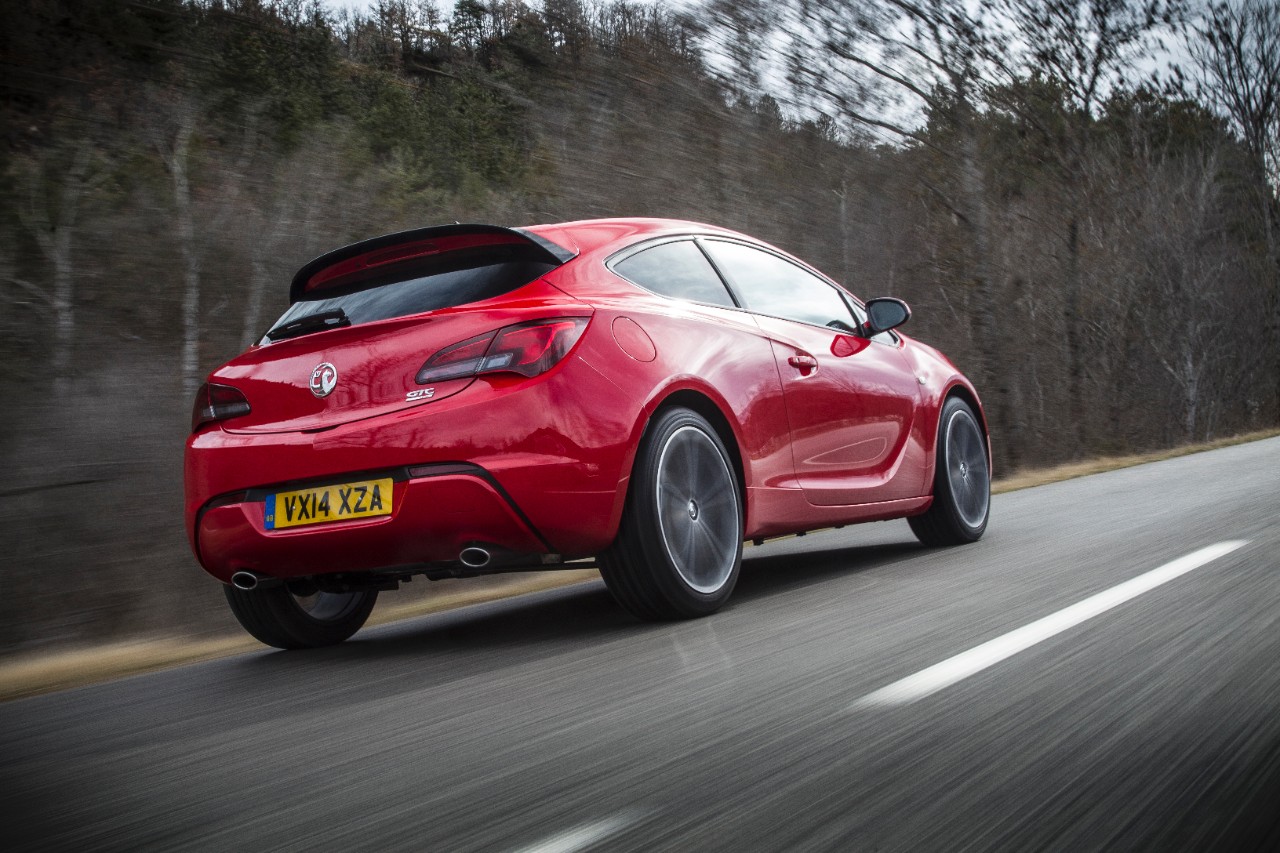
(679, 270)
(460, 278)
(774, 286)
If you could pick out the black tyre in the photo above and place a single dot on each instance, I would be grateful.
(278, 617)
(961, 483)
(679, 549)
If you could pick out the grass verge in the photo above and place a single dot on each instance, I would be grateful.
(1071, 470)
(31, 675)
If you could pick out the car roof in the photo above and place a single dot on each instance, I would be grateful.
(591, 236)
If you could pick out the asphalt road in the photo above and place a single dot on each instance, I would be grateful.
(555, 722)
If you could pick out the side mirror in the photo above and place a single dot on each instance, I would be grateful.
(884, 314)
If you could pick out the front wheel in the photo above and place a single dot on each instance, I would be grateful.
(287, 620)
(679, 548)
(961, 483)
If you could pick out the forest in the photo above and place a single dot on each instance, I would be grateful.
(1076, 197)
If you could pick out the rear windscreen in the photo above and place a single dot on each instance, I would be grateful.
(449, 281)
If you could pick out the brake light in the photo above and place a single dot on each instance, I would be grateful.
(527, 349)
(217, 403)
(532, 349)
(453, 362)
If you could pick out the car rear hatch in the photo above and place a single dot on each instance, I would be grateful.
(365, 318)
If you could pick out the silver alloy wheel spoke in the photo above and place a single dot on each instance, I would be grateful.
(697, 513)
(968, 473)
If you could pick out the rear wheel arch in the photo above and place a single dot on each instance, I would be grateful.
(697, 401)
(678, 549)
(702, 404)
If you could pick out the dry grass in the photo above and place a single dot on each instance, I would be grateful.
(44, 673)
(1043, 476)
(31, 675)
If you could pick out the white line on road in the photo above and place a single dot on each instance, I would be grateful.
(965, 664)
(582, 837)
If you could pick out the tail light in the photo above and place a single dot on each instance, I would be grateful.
(217, 403)
(527, 349)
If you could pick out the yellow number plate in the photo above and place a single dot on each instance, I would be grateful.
(328, 503)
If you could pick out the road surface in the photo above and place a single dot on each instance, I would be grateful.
(1102, 671)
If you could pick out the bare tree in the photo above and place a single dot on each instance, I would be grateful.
(176, 116)
(566, 22)
(292, 216)
(1180, 277)
(1083, 49)
(52, 185)
(878, 67)
(174, 148)
(1237, 54)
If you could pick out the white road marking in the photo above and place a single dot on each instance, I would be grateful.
(965, 664)
(582, 837)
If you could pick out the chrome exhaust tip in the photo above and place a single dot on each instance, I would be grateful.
(474, 558)
(248, 581)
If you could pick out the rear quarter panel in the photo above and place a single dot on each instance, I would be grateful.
(715, 352)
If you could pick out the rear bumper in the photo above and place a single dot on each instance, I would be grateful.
(436, 514)
(507, 465)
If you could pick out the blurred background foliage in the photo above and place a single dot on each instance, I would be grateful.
(1089, 233)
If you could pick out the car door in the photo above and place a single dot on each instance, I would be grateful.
(851, 402)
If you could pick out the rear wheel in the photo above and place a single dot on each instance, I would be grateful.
(288, 620)
(679, 548)
(961, 483)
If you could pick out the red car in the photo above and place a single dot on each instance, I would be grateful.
(470, 399)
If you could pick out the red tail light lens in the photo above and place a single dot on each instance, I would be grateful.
(533, 349)
(528, 349)
(454, 362)
(217, 403)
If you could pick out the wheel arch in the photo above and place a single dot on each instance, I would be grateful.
(698, 402)
(963, 392)
(642, 572)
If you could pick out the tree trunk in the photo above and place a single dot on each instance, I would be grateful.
(178, 160)
(258, 283)
(1272, 272)
(54, 230)
(982, 317)
(1072, 328)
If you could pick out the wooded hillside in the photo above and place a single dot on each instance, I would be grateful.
(1094, 244)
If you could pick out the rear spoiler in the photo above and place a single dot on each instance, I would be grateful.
(345, 268)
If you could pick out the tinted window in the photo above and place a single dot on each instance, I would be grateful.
(771, 285)
(676, 269)
(457, 281)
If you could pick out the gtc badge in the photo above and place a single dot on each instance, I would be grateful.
(323, 379)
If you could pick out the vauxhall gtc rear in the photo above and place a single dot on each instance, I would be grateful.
(468, 399)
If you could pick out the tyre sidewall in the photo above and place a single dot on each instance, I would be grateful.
(683, 598)
(943, 489)
(274, 617)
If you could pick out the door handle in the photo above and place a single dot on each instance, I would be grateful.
(805, 363)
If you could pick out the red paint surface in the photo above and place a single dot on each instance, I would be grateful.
(632, 339)
(851, 441)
